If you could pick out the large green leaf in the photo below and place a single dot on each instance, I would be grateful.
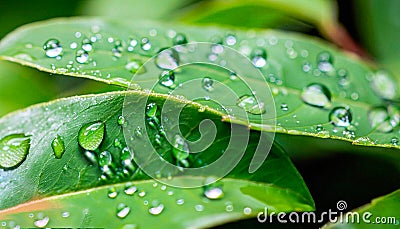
(293, 63)
(41, 174)
(381, 212)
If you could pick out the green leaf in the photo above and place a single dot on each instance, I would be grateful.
(382, 211)
(293, 63)
(43, 173)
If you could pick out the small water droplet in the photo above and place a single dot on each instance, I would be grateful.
(230, 40)
(87, 45)
(259, 57)
(284, 107)
(167, 59)
(130, 189)
(199, 207)
(180, 148)
(53, 48)
(325, 62)
(229, 207)
(121, 120)
(340, 116)
(91, 135)
(247, 211)
(82, 56)
(151, 110)
(395, 141)
(117, 49)
(167, 79)
(142, 193)
(249, 104)
(380, 119)
(316, 95)
(123, 210)
(130, 226)
(180, 39)
(146, 45)
(306, 67)
(13, 150)
(73, 45)
(65, 214)
(58, 147)
(180, 201)
(156, 208)
(384, 85)
(105, 158)
(42, 222)
(112, 193)
(207, 84)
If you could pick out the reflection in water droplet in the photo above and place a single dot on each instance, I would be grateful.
(82, 57)
(316, 95)
(58, 147)
(42, 222)
(14, 149)
(53, 48)
(91, 135)
(340, 116)
(167, 59)
(213, 193)
(207, 84)
(123, 210)
(249, 104)
(167, 79)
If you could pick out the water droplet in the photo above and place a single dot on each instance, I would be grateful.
(105, 158)
(199, 207)
(117, 49)
(82, 56)
(340, 116)
(230, 40)
(380, 119)
(247, 211)
(395, 141)
(146, 45)
(284, 107)
(151, 110)
(213, 193)
(73, 45)
(342, 75)
(130, 226)
(325, 61)
(112, 193)
(259, 58)
(167, 79)
(384, 85)
(142, 193)
(180, 39)
(53, 48)
(121, 120)
(233, 76)
(87, 45)
(167, 59)
(306, 67)
(130, 189)
(316, 95)
(123, 210)
(91, 135)
(58, 147)
(92, 157)
(207, 84)
(181, 148)
(135, 67)
(42, 222)
(249, 104)
(13, 150)
(156, 208)
(229, 207)
(65, 214)
(180, 201)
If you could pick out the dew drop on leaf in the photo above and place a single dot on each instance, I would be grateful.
(325, 62)
(151, 110)
(87, 45)
(379, 118)
(213, 193)
(82, 56)
(340, 116)
(130, 189)
(91, 135)
(121, 120)
(259, 57)
(384, 85)
(105, 158)
(199, 207)
(167, 59)
(247, 211)
(395, 141)
(58, 146)
(156, 208)
(167, 79)
(180, 201)
(53, 48)
(249, 104)
(207, 84)
(13, 150)
(180, 148)
(123, 211)
(112, 193)
(284, 107)
(180, 39)
(130, 226)
(42, 222)
(91, 157)
(316, 95)
(230, 40)
(145, 44)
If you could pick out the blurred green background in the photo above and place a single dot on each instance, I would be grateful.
(373, 25)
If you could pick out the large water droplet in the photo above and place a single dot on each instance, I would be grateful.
(249, 104)
(53, 48)
(130, 189)
(151, 110)
(316, 95)
(213, 193)
(123, 210)
(91, 135)
(42, 222)
(82, 56)
(156, 208)
(167, 59)
(58, 147)
(13, 150)
(379, 119)
(207, 84)
(384, 85)
(167, 79)
(325, 62)
(181, 148)
(340, 116)
(105, 158)
(91, 157)
(87, 45)
(259, 57)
